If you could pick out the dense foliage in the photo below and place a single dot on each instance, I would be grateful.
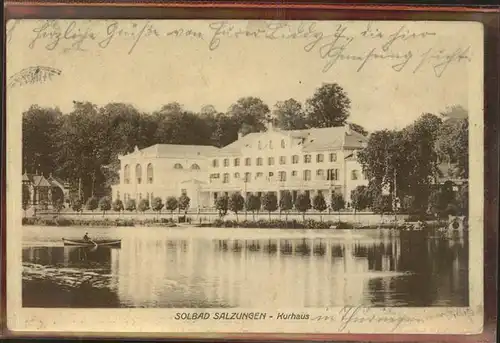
(82, 146)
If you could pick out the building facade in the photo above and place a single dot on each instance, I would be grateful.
(313, 160)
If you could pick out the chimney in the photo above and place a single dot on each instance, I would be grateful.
(347, 128)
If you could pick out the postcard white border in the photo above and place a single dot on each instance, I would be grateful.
(426, 320)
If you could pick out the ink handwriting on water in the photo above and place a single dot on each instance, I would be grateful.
(32, 75)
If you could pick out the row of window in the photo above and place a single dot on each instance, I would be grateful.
(269, 145)
(149, 196)
(270, 160)
(149, 172)
(331, 174)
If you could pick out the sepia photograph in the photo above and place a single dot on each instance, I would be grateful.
(251, 175)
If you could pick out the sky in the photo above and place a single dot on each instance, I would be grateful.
(194, 63)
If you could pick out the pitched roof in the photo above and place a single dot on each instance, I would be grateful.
(168, 150)
(36, 180)
(315, 139)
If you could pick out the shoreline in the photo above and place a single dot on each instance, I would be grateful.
(308, 224)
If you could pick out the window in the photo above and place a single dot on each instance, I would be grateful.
(140, 196)
(259, 161)
(195, 167)
(354, 174)
(319, 158)
(177, 166)
(214, 176)
(248, 161)
(271, 174)
(118, 195)
(248, 177)
(270, 161)
(226, 162)
(295, 159)
(270, 144)
(282, 175)
(236, 175)
(282, 159)
(307, 175)
(365, 175)
(294, 173)
(259, 175)
(184, 191)
(138, 173)
(126, 174)
(149, 172)
(320, 173)
(260, 145)
(333, 157)
(215, 163)
(236, 162)
(225, 178)
(307, 158)
(283, 144)
(332, 174)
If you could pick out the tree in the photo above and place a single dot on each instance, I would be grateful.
(337, 202)
(236, 203)
(286, 202)
(270, 202)
(360, 198)
(319, 204)
(143, 205)
(358, 129)
(382, 204)
(58, 205)
(441, 199)
(253, 204)
(77, 205)
(171, 204)
(130, 205)
(184, 201)
(105, 204)
(408, 204)
(157, 204)
(303, 203)
(221, 204)
(250, 113)
(452, 146)
(289, 115)
(404, 162)
(26, 198)
(92, 204)
(118, 205)
(329, 106)
(40, 127)
(463, 200)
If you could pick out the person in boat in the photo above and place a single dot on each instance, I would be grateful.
(86, 238)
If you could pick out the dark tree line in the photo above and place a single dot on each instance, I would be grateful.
(406, 168)
(82, 146)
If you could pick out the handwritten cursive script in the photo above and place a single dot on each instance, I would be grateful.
(400, 49)
(348, 316)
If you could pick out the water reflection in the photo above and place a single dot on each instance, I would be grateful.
(407, 269)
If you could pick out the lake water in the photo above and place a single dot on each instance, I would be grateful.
(205, 267)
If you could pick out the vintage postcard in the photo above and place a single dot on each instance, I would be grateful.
(189, 176)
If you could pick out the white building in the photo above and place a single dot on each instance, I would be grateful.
(313, 160)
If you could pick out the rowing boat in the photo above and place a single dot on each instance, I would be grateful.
(115, 243)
